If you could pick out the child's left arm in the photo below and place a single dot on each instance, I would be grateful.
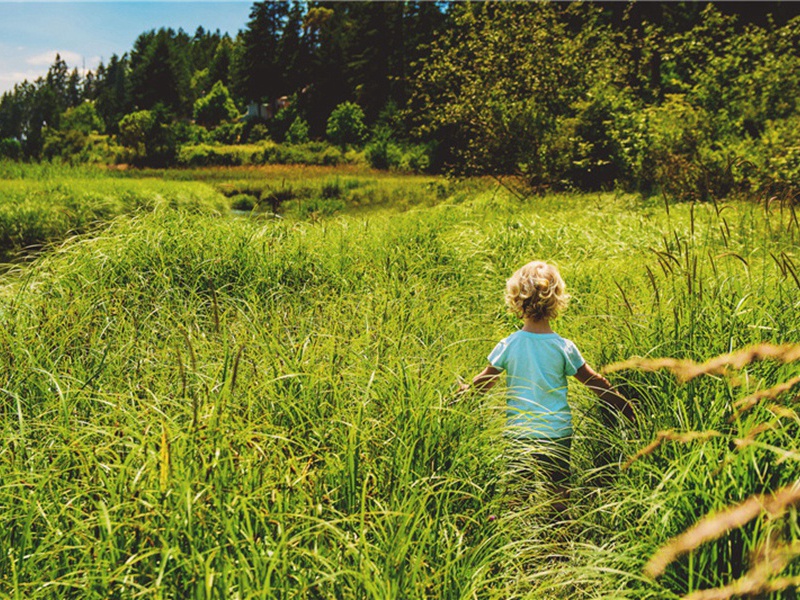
(604, 391)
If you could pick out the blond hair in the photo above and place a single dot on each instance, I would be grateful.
(536, 291)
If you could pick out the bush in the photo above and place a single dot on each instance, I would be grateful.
(346, 125)
(69, 145)
(134, 129)
(149, 135)
(215, 107)
(298, 132)
(679, 158)
(83, 118)
(227, 133)
(257, 132)
(416, 159)
(10, 148)
(243, 202)
(382, 152)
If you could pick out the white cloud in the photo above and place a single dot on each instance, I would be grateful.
(45, 59)
(39, 65)
(8, 79)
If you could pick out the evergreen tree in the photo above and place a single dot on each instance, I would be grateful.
(259, 76)
(160, 72)
(112, 91)
(219, 68)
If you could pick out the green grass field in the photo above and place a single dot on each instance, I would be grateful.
(196, 405)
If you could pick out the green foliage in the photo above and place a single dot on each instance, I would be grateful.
(226, 133)
(243, 202)
(265, 153)
(258, 132)
(216, 107)
(134, 130)
(267, 404)
(346, 125)
(381, 151)
(280, 124)
(37, 209)
(557, 96)
(82, 118)
(150, 137)
(10, 148)
(297, 132)
(69, 145)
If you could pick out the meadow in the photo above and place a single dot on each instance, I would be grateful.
(203, 405)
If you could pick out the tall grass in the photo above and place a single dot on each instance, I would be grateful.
(204, 407)
(46, 203)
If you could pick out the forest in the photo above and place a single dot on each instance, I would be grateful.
(693, 99)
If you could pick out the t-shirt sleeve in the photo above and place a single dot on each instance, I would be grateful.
(574, 360)
(498, 356)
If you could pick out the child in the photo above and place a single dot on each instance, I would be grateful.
(537, 362)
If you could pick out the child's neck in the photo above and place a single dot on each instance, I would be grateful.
(537, 326)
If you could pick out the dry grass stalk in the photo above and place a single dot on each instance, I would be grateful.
(749, 402)
(751, 435)
(783, 412)
(671, 436)
(758, 580)
(686, 370)
(715, 525)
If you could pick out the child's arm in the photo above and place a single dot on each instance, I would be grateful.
(484, 380)
(603, 390)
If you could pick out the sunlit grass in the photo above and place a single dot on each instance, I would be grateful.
(200, 406)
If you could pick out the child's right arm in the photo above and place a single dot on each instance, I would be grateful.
(603, 390)
(483, 381)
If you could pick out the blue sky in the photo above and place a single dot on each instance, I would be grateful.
(84, 33)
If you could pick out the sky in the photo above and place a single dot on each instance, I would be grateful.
(85, 33)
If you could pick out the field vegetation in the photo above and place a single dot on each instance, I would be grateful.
(199, 405)
(243, 296)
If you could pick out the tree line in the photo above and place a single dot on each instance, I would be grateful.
(695, 99)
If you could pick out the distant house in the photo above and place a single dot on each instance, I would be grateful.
(258, 110)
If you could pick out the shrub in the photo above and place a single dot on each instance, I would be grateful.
(10, 148)
(243, 202)
(258, 132)
(83, 118)
(416, 158)
(215, 107)
(382, 152)
(346, 125)
(226, 133)
(298, 132)
(134, 129)
(69, 145)
(679, 156)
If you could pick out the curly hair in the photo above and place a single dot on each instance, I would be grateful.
(536, 291)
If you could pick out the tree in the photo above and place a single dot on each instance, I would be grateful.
(134, 130)
(298, 131)
(149, 135)
(215, 107)
(160, 71)
(346, 125)
(112, 97)
(83, 118)
(499, 86)
(220, 67)
(258, 75)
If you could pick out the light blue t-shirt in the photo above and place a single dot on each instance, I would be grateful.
(537, 366)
